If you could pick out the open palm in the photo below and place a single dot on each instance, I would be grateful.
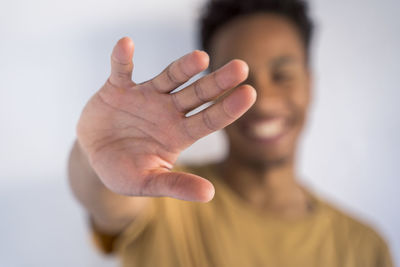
(134, 133)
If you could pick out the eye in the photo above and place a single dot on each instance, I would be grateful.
(281, 77)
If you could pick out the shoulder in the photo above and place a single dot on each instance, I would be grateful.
(350, 224)
(359, 236)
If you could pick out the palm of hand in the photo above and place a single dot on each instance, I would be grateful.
(133, 134)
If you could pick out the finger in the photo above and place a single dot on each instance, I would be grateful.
(211, 86)
(180, 185)
(121, 63)
(180, 71)
(220, 114)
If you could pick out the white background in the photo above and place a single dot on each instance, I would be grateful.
(54, 55)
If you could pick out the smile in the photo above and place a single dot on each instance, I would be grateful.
(270, 130)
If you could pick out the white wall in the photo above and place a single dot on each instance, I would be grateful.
(54, 56)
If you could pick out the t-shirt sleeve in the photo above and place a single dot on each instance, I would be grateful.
(103, 241)
(383, 255)
(374, 249)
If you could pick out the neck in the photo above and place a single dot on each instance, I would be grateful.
(270, 188)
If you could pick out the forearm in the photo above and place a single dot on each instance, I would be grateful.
(109, 211)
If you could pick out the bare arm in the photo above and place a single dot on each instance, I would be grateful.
(129, 135)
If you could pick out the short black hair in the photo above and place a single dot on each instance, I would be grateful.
(217, 13)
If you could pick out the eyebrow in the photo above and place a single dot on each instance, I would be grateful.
(281, 61)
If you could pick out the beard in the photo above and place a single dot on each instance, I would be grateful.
(259, 163)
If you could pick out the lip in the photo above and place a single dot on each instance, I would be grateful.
(246, 127)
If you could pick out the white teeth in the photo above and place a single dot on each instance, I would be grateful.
(268, 129)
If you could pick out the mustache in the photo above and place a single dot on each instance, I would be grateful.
(292, 114)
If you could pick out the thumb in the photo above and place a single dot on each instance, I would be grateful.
(180, 185)
(121, 63)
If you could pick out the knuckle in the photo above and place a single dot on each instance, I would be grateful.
(217, 84)
(177, 103)
(225, 112)
(199, 92)
(192, 138)
(171, 74)
(154, 84)
(208, 122)
(122, 74)
(182, 69)
(173, 182)
(146, 187)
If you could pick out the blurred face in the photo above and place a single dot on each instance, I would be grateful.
(267, 134)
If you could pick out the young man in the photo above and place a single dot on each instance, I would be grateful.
(130, 135)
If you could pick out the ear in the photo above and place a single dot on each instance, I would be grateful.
(310, 84)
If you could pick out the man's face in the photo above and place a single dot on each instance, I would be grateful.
(267, 134)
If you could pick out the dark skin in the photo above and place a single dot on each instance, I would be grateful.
(260, 165)
(130, 135)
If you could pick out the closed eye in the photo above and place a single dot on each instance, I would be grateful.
(281, 77)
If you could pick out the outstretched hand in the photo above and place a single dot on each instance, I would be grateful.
(133, 133)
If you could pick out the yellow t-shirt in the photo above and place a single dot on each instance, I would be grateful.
(227, 232)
